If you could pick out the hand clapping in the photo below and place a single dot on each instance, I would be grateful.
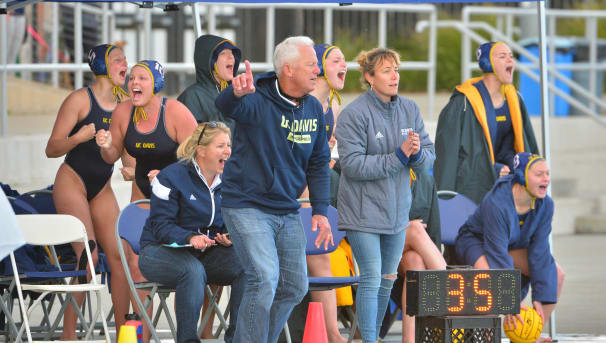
(412, 144)
(244, 83)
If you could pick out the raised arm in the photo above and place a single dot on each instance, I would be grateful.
(231, 101)
(73, 107)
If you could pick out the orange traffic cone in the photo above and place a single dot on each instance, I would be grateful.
(315, 327)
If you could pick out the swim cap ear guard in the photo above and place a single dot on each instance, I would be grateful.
(98, 59)
(322, 51)
(484, 56)
(155, 69)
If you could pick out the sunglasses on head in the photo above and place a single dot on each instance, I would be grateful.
(212, 124)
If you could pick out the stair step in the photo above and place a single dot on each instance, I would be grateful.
(590, 224)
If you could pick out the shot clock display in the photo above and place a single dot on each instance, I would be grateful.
(462, 292)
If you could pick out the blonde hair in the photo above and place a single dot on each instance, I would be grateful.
(188, 149)
(369, 60)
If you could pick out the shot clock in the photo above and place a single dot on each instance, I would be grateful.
(462, 292)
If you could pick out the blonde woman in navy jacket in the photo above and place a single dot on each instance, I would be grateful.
(186, 209)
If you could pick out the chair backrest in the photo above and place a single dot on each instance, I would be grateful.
(51, 229)
(130, 223)
(311, 236)
(453, 214)
(21, 207)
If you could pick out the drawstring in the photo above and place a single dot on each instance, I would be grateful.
(333, 93)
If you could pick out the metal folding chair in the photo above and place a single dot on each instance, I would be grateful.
(50, 230)
(455, 208)
(327, 283)
(129, 227)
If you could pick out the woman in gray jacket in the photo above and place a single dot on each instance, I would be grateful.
(381, 136)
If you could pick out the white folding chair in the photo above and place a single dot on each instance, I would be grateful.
(54, 229)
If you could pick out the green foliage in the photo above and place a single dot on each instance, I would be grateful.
(414, 47)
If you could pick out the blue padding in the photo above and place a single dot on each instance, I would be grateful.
(337, 236)
(453, 214)
(130, 225)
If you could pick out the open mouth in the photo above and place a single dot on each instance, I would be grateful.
(123, 74)
(509, 70)
(341, 75)
(543, 188)
(137, 93)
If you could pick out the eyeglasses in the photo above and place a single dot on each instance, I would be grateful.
(212, 124)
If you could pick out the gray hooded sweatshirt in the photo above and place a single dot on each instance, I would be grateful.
(374, 189)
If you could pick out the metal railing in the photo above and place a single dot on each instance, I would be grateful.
(108, 26)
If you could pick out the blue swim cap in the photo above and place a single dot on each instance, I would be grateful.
(521, 163)
(322, 51)
(156, 71)
(484, 56)
(98, 59)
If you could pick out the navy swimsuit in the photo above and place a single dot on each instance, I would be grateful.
(85, 158)
(152, 150)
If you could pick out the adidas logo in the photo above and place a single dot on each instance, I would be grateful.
(379, 135)
(192, 197)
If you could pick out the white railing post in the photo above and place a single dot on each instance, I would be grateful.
(465, 49)
(78, 44)
(328, 26)
(431, 72)
(592, 33)
(195, 12)
(55, 43)
(210, 17)
(270, 33)
(4, 62)
(383, 28)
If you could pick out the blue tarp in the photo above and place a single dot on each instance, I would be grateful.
(12, 3)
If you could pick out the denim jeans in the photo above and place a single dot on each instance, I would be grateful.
(377, 255)
(189, 270)
(273, 247)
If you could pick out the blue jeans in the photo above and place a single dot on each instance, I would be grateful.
(377, 256)
(273, 247)
(189, 270)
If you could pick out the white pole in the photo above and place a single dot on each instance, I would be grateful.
(383, 28)
(465, 49)
(197, 23)
(147, 27)
(212, 22)
(78, 43)
(328, 26)
(55, 43)
(545, 116)
(431, 73)
(3, 60)
(271, 33)
(105, 24)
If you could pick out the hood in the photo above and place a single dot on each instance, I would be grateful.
(203, 52)
(265, 85)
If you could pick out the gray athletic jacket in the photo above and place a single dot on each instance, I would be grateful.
(374, 189)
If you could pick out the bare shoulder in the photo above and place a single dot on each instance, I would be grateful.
(179, 113)
(121, 113)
